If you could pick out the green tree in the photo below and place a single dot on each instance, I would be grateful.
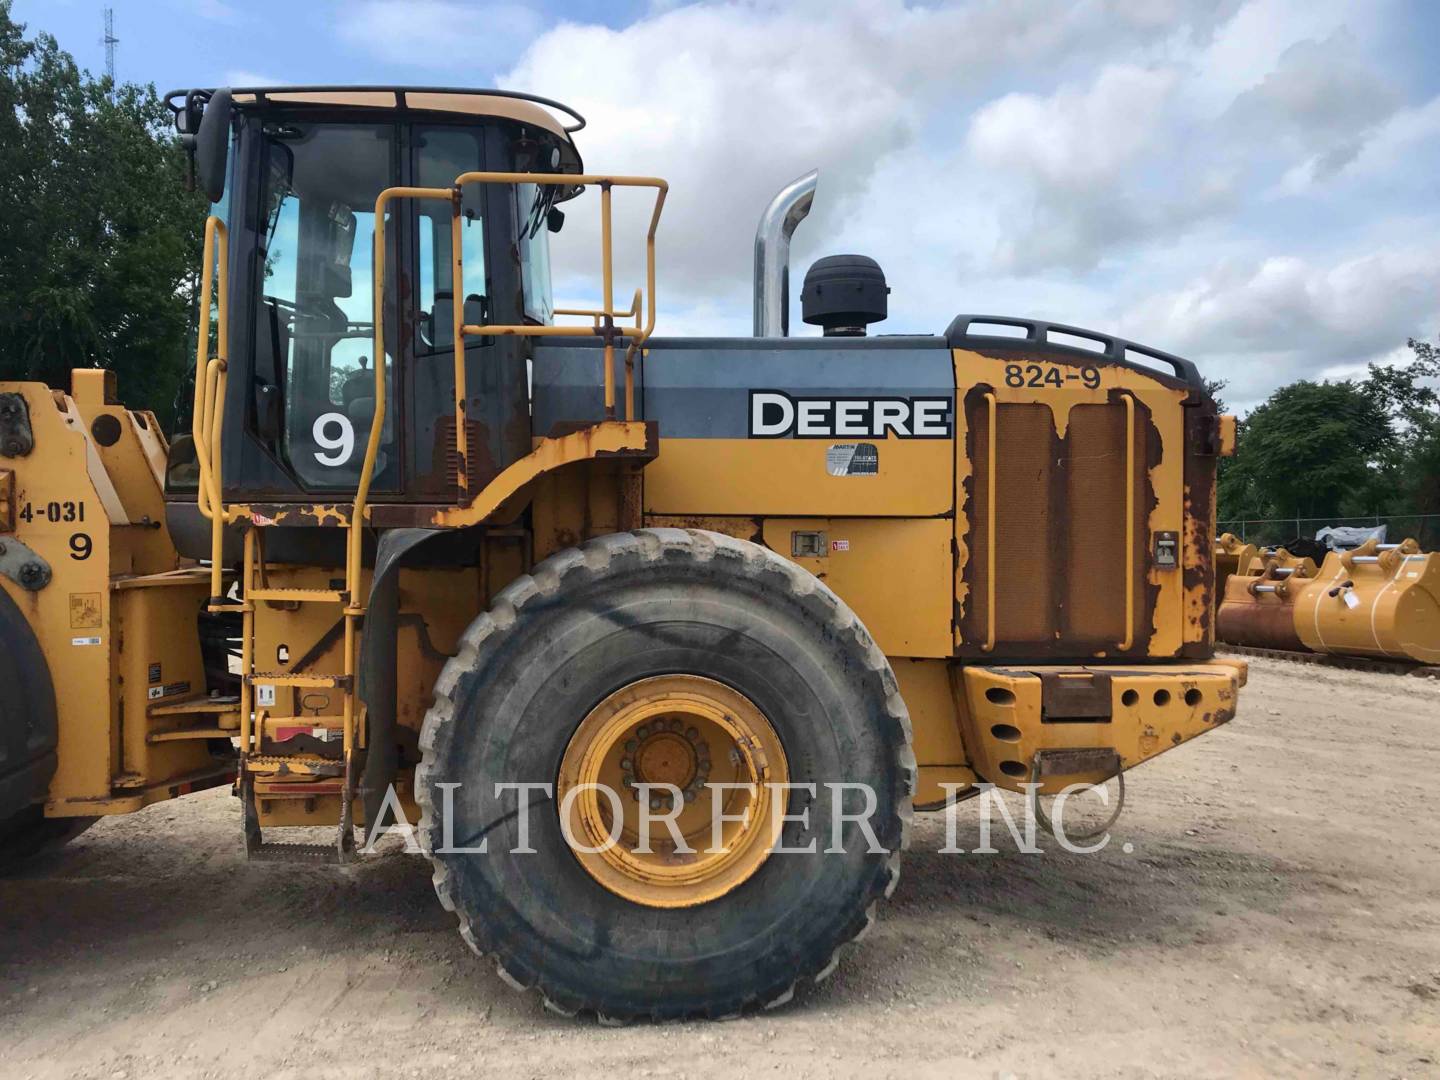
(1410, 469)
(100, 238)
(1311, 450)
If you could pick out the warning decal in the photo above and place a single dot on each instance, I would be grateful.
(84, 610)
(169, 689)
(853, 459)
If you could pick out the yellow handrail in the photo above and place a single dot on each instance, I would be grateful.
(247, 641)
(605, 183)
(632, 312)
(377, 421)
(457, 342)
(1129, 523)
(461, 330)
(208, 412)
(992, 412)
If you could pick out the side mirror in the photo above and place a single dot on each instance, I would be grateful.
(555, 219)
(212, 145)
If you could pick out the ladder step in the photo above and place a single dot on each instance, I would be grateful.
(299, 853)
(308, 679)
(273, 765)
(300, 596)
(182, 734)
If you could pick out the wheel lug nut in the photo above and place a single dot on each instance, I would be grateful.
(626, 764)
(631, 745)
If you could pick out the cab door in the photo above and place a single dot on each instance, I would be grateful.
(498, 428)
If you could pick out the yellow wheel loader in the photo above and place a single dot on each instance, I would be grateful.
(657, 640)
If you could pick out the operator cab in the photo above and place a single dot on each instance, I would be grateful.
(296, 173)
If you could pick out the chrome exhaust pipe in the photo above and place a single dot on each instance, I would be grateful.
(772, 254)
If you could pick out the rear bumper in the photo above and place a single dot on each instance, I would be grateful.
(1018, 717)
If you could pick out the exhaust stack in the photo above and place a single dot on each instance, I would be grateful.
(772, 254)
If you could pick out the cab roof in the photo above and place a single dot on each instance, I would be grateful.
(550, 116)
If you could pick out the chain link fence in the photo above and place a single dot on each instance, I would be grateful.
(1424, 528)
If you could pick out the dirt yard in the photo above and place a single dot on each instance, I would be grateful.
(1279, 915)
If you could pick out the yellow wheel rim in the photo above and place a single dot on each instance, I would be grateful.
(721, 754)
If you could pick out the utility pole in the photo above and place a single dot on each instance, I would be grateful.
(110, 41)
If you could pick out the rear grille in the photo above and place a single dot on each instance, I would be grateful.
(1059, 529)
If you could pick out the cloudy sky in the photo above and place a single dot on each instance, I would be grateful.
(1251, 183)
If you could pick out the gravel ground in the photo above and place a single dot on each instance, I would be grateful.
(1279, 915)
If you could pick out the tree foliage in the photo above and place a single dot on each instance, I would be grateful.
(100, 238)
(1351, 448)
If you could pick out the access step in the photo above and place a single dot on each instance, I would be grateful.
(300, 596)
(296, 765)
(321, 854)
(305, 679)
(342, 850)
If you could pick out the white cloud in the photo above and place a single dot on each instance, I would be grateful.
(1241, 180)
(1321, 102)
(1079, 136)
(729, 101)
(1288, 317)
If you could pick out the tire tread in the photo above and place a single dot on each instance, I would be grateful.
(593, 559)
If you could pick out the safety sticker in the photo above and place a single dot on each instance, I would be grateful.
(84, 610)
(154, 673)
(84, 641)
(265, 695)
(853, 459)
(168, 690)
(1351, 600)
(839, 545)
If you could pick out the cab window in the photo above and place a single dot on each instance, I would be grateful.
(534, 235)
(317, 294)
(442, 155)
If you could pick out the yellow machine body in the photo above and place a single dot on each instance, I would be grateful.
(118, 626)
(117, 621)
(429, 532)
(1039, 568)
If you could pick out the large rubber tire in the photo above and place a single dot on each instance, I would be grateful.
(586, 622)
(29, 725)
(29, 833)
